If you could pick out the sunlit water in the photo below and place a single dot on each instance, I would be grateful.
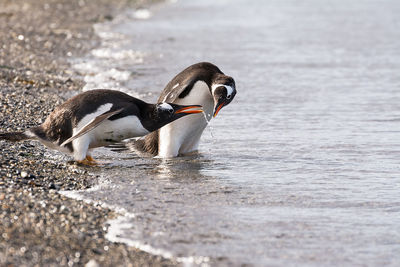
(302, 168)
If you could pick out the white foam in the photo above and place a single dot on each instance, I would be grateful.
(86, 67)
(109, 64)
(106, 34)
(142, 13)
(115, 234)
(110, 78)
(119, 54)
(103, 183)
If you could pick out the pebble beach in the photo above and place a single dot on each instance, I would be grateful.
(38, 226)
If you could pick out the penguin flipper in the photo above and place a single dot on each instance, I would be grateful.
(91, 125)
(172, 92)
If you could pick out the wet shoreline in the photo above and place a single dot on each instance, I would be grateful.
(38, 225)
(300, 168)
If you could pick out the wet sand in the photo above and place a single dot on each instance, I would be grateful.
(38, 226)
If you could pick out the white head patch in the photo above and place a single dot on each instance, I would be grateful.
(165, 106)
(229, 89)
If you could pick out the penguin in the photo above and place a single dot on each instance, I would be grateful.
(98, 118)
(203, 84)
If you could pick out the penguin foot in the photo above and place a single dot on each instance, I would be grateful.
(89, 158)
(88, 161)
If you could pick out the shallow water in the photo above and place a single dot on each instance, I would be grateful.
(302, 168)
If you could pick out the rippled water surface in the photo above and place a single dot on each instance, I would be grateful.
(302, 168)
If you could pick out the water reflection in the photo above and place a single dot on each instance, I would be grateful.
(184, 169)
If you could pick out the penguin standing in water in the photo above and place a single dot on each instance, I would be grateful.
(98, 118)
(203, 84)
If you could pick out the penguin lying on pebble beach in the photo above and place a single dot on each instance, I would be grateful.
(98, 118)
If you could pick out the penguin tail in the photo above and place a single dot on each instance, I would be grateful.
(15, 136)
(147, 145)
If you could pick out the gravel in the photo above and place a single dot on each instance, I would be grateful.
(38, 226)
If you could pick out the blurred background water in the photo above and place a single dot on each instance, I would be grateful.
(302, 168)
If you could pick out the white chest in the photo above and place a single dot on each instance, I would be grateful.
(109, 131)
(117, 130)
(183, 135)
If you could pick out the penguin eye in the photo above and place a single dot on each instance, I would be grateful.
(170, 111)
(228, 97)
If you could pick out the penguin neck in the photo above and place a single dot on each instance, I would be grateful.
(148, 118)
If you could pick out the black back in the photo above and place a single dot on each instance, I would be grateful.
(203, 71)
(58, 127)
(88, 102)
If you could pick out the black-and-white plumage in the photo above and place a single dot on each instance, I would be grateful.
(203, 84)
(98, 118)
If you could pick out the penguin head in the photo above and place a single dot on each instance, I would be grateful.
(223, 91)
(165, 113)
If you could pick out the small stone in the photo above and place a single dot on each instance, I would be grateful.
(92, 263)
(52, 186)
(24, 174)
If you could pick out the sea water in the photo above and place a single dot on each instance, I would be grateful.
(302, 168)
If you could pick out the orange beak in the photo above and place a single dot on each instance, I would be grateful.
(218, 109)
(190, 109)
